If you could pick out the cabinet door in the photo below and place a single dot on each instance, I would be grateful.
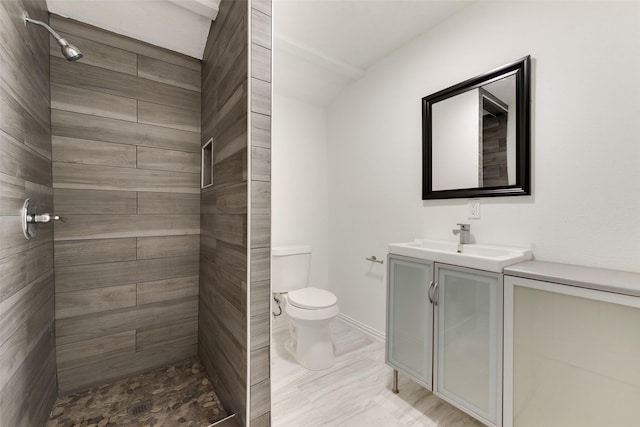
(410, 318)
(469, 341)
(571, 356)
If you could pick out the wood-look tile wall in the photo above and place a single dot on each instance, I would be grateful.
(223, 247)
(260, 221)
(27, 355)
(126, 175)
(240, 164)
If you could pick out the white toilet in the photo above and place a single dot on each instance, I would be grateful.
(309, 309)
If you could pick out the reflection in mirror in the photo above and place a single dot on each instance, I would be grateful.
(475, 136)
(498, 136)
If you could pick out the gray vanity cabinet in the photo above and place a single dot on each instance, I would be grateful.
(444, 330)
(468, 341)
(572, 346)
(409, 343)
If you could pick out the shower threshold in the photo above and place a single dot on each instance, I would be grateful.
(230, 421)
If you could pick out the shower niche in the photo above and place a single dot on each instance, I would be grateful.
(206, 172)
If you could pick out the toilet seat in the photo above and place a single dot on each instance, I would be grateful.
(312, 299)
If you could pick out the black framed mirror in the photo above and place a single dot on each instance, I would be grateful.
(476, 136)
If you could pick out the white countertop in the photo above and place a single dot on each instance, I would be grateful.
(620, 282)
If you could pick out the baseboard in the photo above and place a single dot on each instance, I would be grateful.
(279, 323)
(277, 328)
(366, 329)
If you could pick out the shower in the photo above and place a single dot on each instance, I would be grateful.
(69, 51)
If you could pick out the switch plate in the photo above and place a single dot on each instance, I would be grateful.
(473, 209)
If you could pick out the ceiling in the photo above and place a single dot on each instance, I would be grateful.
(320, 46)
(358, 32)
(178, 25)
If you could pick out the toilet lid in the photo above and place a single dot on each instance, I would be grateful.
(312, 298)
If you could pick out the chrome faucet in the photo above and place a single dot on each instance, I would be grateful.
(464, 232)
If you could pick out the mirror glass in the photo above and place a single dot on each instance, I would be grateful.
(476, 136)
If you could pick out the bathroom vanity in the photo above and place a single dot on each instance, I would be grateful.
(455, 349)
(571, 334)
(444, 320)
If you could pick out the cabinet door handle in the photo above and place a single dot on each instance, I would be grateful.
(429, 292)
(435, 294)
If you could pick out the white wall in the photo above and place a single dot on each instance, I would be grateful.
(299, 195)
(585, 131)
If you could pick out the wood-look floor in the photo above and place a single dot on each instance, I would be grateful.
(355, 392)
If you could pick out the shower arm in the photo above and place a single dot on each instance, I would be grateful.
(55, 35)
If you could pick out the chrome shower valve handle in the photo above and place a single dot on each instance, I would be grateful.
(43, 218)
(31, 219)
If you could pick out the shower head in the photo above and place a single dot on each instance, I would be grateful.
(69, 51)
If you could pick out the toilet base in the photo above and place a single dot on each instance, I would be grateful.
(310, 344)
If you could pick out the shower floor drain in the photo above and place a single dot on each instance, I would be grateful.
(139, 408)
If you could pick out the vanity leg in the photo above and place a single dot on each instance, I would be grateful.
(395, 382)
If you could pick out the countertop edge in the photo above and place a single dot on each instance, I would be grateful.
(620, 282)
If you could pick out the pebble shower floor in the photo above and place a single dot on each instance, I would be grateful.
(180, 395)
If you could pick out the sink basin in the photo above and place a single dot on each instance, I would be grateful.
(472, 255)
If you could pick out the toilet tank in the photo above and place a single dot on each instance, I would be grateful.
(290, 267)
